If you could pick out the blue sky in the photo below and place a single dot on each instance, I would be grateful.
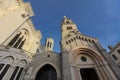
(96, 18)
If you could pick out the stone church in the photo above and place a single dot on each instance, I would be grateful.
(22, 57)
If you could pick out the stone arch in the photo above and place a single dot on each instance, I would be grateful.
(24, 31)
(87, 51)
(46, 72)
(19, 69)
(6, 64)
(22, 63)
(100, 65)
(8, 59)
(40, 66)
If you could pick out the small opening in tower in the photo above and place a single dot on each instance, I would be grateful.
(67, 22)
(48, 55)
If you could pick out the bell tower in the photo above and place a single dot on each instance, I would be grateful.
(49, 44)
(72, 37)
(81, 54)
(68, 28)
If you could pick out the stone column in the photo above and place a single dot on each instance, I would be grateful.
(65, 66)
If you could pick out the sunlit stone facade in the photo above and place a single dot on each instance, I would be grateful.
(22, 57)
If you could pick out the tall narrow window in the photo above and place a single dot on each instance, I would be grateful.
(1, 66)
(14, 73)
(69, 41)
(22, 43)
(119, 66)
(72, 40)
(76, 37)
(118, 51)
(18, 42)
(66, 42)
(4, 71)
(14, 40)
(19, 74)
(48, 44)
(114, 57)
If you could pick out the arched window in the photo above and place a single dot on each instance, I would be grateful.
(114, 57)
(14, 40)
(4, 71)
(66, 42)
(118, 51)
(19, 70)
(19, 40)
(20, 46)
(14, 73)
(77, 37)
(47, 72)
(5, 66)
(69, 27)
(69, 41)
(67, 22)
(1, 66)
(19, 74)
(89, 40)
(48, 44)
(72, 40)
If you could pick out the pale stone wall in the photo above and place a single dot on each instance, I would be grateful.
(40, 60)
(14, 58)
(15, 19)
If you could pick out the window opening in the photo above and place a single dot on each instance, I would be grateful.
(84, 59)
(4, 71)
(88, 74)
(19, 74)
(14, 40)
(22, 43)
(66, 42)
(118, 51)
(1, 66)
(69, 41)
(114, 57)
(14, 73)
(48, 44)
(74, 38)
(47, 72)
(18, 42)
(67, 22)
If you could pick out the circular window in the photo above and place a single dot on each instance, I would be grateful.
(83, 59)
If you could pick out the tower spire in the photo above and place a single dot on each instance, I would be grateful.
(68, 27)
(67, 20)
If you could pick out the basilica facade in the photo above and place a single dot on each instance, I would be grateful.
(22, 57)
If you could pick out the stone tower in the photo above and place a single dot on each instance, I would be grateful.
(82, 55)
(49, 44)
